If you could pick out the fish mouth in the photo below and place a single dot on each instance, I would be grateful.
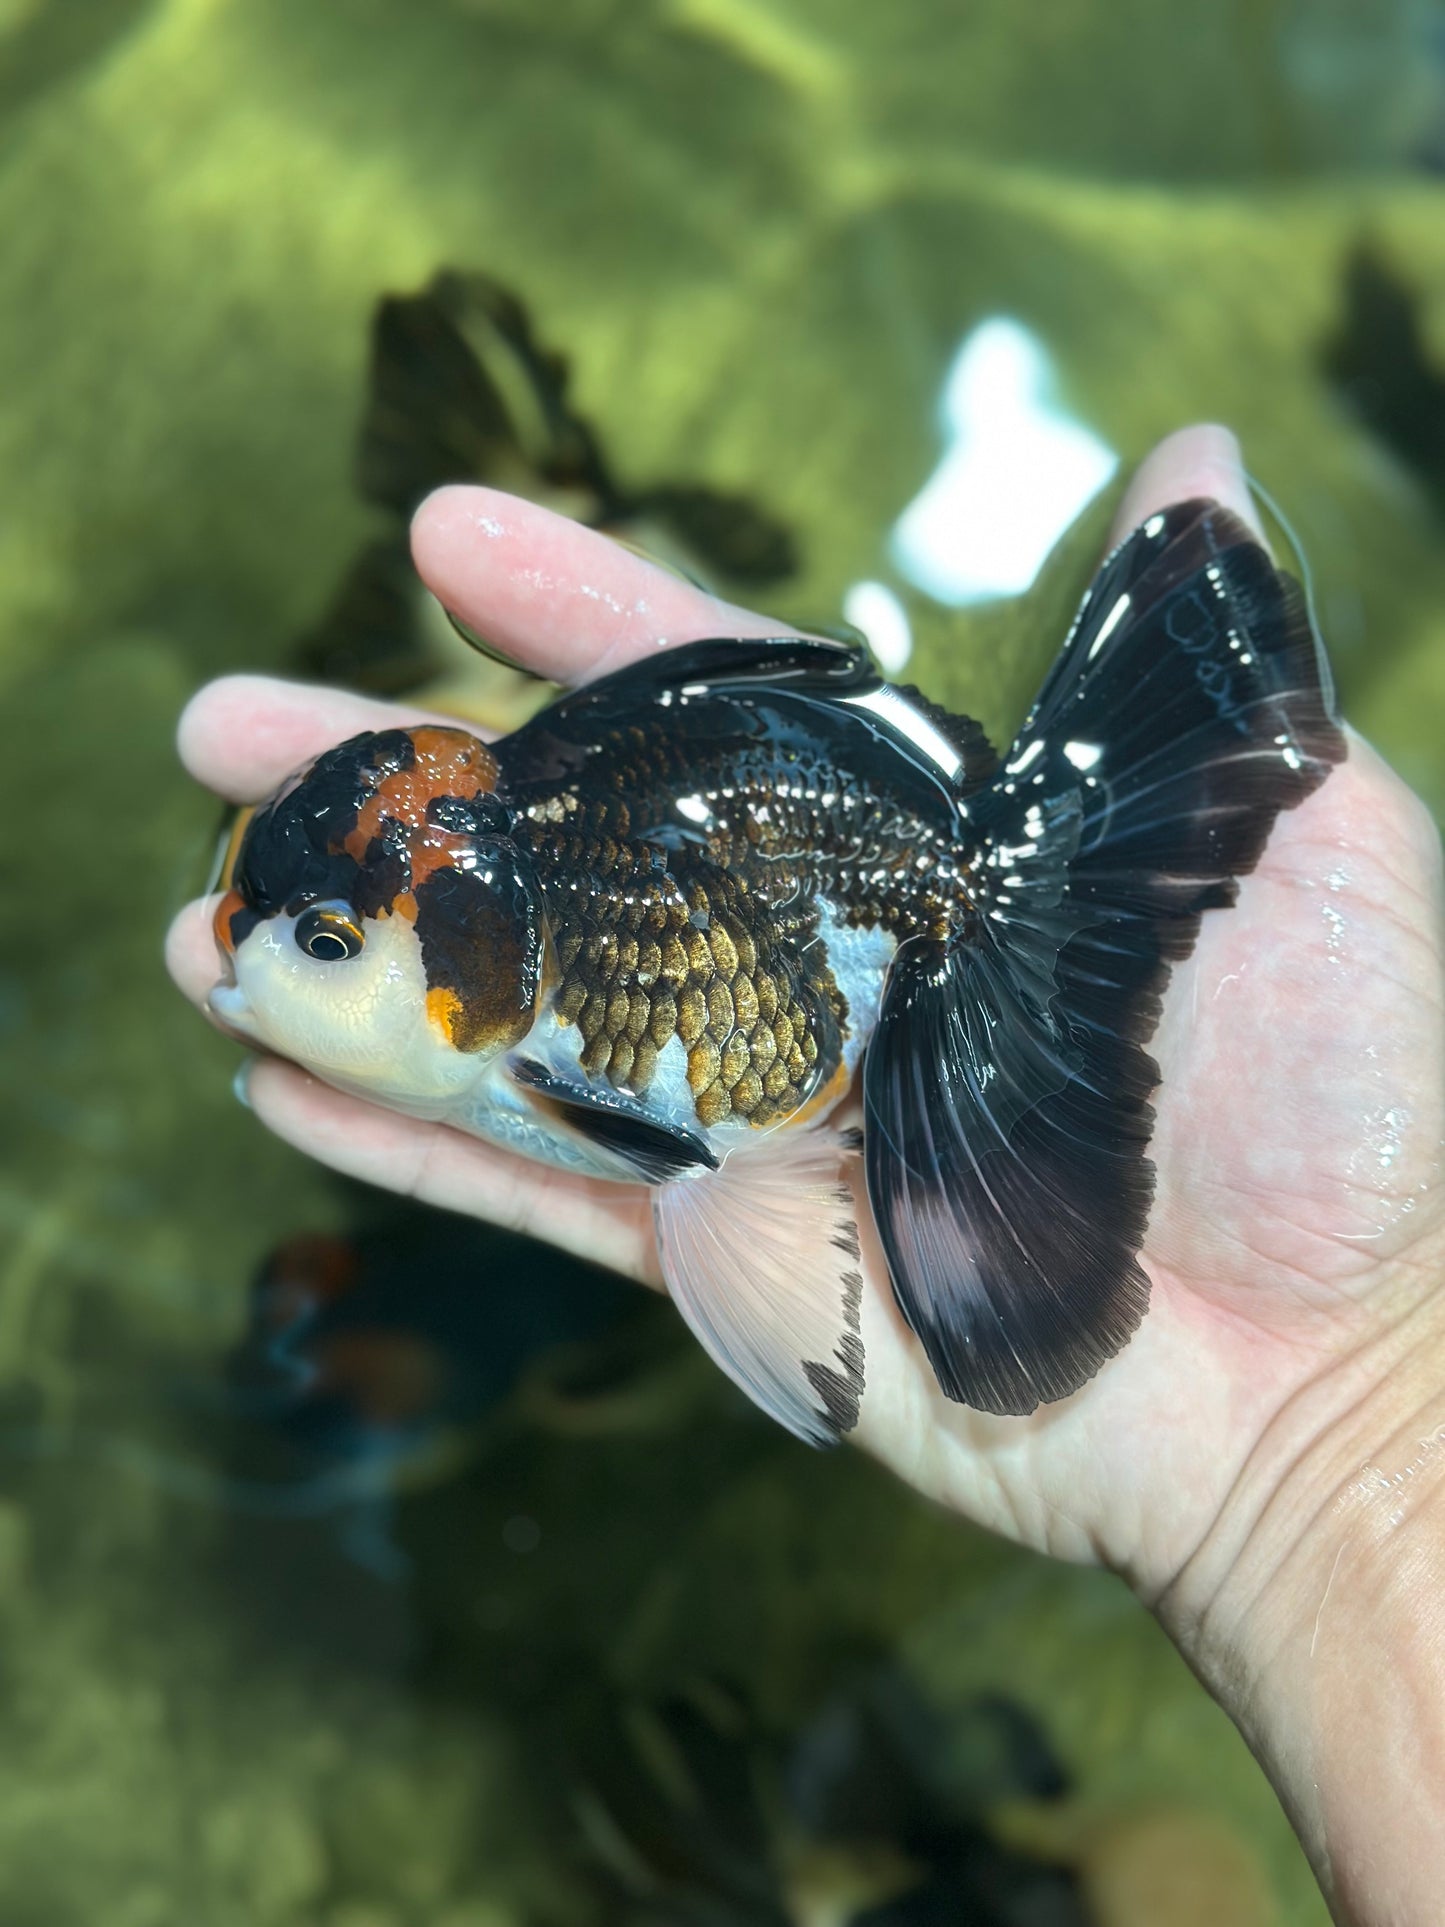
(231, 1008)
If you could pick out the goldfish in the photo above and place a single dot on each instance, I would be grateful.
(376, 1343)
(661, 932)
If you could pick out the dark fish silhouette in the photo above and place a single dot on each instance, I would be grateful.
(460, 389)
(695, 1811)
(1379, 360)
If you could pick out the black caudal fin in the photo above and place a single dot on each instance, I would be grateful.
(1007, 1085)
(762, 1260)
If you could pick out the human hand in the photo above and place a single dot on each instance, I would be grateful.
(1295, 1116)
(1295, 1124)
(1297, 1235)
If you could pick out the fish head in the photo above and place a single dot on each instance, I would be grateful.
(382, 927)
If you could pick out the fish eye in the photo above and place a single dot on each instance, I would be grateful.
(329, 935)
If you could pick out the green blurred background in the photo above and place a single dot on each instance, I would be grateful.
(573, 1648)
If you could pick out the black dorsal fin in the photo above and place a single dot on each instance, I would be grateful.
(825, 698)
(720, 665)
(980, 758)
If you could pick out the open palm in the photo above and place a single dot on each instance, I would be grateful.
(1299, 1115)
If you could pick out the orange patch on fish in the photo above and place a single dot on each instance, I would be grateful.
(822, 1099)
(448, 762)
(240, 823)
(445, 1012)
(230, 903)
(392, 1377)
(308, 1270)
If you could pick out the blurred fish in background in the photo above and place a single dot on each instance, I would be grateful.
(1381, 361)
(693, 1812)
(372, 1356)
(461, 389)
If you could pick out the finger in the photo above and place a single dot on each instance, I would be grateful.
(1199, 461)
(558, 598)
(569, 603)
(191, 955)
(611, 1224)
(242, 735)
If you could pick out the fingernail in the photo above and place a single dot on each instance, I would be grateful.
(241, 1082)
(483, 648)
(1229, 457)
(1226, 444)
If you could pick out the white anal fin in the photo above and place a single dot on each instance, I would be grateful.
(761, 1259)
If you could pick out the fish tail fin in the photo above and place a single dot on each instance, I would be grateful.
(1008, 1088)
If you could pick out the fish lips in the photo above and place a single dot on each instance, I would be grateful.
(230, 1008)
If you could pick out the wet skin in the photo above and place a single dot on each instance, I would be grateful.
(1296, 1241)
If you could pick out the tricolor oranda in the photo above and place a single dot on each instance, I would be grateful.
(659, 933)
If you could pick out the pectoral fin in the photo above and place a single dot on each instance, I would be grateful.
(654, 1150)
(762, 1261)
